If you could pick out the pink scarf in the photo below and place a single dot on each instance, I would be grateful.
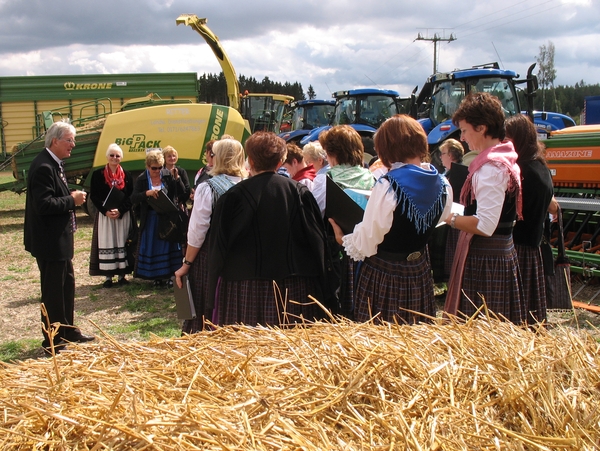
(504, 156)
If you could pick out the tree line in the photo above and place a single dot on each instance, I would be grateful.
(213, 88)
(566, 99)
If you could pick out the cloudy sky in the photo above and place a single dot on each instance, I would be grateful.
(329, 44)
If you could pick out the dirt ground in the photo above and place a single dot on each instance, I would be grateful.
(99, 308)
(96, 308)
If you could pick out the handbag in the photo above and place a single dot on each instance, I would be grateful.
(558, 285)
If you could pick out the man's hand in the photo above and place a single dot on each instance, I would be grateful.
(79, 197)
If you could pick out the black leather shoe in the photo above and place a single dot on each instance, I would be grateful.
(123, 281)
(78, 337)
(107, 283)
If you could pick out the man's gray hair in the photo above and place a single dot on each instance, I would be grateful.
(57, 130)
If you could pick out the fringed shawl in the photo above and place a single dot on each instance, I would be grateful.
(502, 155)
(419, 194)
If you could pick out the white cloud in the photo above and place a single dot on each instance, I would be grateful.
(330, 45)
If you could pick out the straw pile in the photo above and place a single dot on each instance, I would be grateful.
(483, 384)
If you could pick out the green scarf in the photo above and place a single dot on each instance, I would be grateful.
(355, 177)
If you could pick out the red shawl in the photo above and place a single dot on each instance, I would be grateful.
(117, 179)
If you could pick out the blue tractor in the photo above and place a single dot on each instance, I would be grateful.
(442, 93)
(304, 116)
(363, 109)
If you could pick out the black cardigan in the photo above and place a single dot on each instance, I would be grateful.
(266, 227)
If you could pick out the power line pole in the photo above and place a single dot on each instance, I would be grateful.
(436, 38)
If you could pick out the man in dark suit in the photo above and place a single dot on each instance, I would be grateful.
(49, 227)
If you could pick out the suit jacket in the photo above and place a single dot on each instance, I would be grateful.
(47, 233)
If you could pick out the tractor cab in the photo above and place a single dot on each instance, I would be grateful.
(304, 116)
(264, 112)
(364, 110)
(444, 92)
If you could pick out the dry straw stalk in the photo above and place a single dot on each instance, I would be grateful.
(479, 385)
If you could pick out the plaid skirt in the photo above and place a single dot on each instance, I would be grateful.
(267, 303)
(198, 277)
(451, 241)
(492, 271)
(391, 289)
(534, 284)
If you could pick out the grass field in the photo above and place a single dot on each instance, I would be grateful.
(131, 312)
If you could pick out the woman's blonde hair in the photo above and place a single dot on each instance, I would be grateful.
(229, 158)
(155, 156)
(168, 150)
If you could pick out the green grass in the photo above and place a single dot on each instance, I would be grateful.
(149, 305)
(19, 349)
(162, 327)
(10, 201)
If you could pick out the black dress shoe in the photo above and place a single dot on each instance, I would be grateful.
(123, 281)
(107, 283)
(78, 337)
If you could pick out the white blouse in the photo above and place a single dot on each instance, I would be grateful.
(489, 186)
(379, 216)
(201, 213)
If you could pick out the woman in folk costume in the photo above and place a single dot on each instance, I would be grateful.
(156, 259)
(345, 153)
(538, 193)
(485, 265)
(227, 170)
(112, 226)
(268, 235)
(395, 280)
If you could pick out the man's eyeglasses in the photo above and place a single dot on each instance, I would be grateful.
(115, 156)
(156, 168)
(70, 140)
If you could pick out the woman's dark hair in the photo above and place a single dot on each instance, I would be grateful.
(208, 150)
(401, 138)
(344, 144)
(293, 153)
(266, 150)
(482, 108)
(523, 134)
